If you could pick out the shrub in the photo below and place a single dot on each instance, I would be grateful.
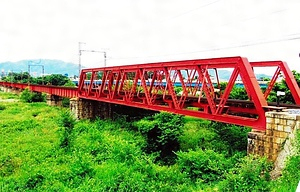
(34, 181)
(69, 84)
(162, 133)
(238, 93)
(251, 174)
(197, 134)
(2, 107)
(234, 136)
(206, 165)
(65, 102)
(38, 97)
(8, 165)
(28, 97)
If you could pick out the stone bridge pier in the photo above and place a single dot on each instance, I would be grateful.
(90, 109)
(10, 90)
(53, 100)
(276, 143)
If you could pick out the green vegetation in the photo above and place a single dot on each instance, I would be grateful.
(67, 123)
(161, 132)
(9, 96)
(54, 79)
(44, 148)
(250, 174)
(240, 92)
(29, 96)
(282, 86)
(291, 174)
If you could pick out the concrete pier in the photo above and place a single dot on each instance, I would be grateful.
(54, 100)
(90, 109)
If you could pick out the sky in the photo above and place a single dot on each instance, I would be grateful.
(141, 31)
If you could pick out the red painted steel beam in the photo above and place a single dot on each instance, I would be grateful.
(68, 92)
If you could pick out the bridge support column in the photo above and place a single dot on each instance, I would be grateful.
(53, 100)
(7, 89)
(16, 91)
(2, 88)
(11, 90)
(276, 143)
(90, 109)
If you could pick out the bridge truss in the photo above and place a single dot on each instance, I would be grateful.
(152, 86)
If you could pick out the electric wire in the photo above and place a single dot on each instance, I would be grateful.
(288, 38)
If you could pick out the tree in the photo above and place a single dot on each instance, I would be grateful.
(282, 86)
(55, 79)
(24, 77)
(162, 133)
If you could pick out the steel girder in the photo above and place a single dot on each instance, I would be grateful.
(68, 92)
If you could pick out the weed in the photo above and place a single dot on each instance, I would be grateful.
(67, 123)
(2, 107)
(206, 165)
(251, 174)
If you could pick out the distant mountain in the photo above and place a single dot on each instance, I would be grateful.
(61, 67)
(50, 67)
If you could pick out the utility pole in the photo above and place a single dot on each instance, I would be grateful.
(79, 60)
(104, 58)
(43, 72)
(83, 50)
(104, 53)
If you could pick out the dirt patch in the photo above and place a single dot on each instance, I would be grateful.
(8, 100)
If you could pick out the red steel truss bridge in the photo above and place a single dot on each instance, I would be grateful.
(154, 86)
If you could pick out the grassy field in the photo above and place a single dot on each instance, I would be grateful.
(44, 149)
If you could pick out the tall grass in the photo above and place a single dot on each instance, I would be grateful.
(105, 155)
(8, 95)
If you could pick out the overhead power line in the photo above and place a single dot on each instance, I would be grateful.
(288, 38)
(192, 10)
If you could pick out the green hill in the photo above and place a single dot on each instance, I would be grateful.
(50, 67)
